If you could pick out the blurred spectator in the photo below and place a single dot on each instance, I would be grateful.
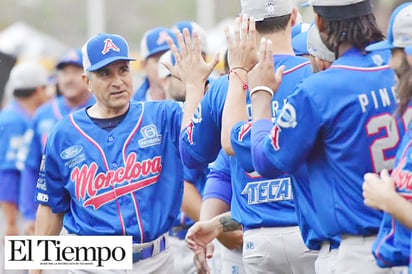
(28, 84)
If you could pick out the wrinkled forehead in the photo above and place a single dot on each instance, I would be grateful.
(115, 65)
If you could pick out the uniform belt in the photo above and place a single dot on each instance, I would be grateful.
(179, 232)
(151, 249)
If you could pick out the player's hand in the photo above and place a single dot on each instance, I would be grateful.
(242, 51)
(231, 240)
(262, 74)
(190, 66)
(35, 271)
(200, 258)
(201, 234)
(378, 191)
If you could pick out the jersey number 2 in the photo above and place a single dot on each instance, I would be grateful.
(390, 141)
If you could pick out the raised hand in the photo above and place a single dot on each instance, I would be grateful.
(262, 74)
(242, 51)
(190, 66)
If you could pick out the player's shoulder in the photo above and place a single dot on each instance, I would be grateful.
(46, 109)
(13, 115)
(219, 84)
(159, 105)
(292, 63)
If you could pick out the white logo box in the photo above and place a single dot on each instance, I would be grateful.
(68, 252)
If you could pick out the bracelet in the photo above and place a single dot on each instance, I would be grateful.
(245, 87)
(242, 68)
(261, 88)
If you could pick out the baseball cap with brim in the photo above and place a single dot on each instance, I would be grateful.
(193, 26)
(28, 75)
(399, 29)
(71, 57)
(341, 9)
(104, 49)
(299, 28)
(261, 9)
(299, 43)
(155, 41)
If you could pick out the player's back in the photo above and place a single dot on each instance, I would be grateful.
(357, 134)
(14, 121)
(257, 198)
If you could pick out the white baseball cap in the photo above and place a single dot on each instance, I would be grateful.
(399, 30)
(166, 58)
(261, 9)
(316, 47)
(28, 75)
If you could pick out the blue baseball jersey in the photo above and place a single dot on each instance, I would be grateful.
(43, 121)
(218, 184)
(339, 124)
(265, 202)
(197, 178)
(392, 246)
(141, 92)
(200, 140)
(126, 181)
(14, 121)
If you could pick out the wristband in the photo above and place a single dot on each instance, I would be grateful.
(244, 84)
(261, 88)
(242, 68)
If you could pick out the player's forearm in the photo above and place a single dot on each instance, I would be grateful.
(225, 223)
(261, 106)
(194, 94)
(192, 201)
(211, 208)
(47, 222)
(10, 212)
(234, 110)
(400, 209)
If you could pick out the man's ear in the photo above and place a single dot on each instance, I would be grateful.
(294, 16)
(86, 80)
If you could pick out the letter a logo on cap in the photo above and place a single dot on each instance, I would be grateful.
(109, 45)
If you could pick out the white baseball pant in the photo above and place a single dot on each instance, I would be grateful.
(277, 250)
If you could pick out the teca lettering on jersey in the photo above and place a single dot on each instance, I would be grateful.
(87, 181)
(268, 191)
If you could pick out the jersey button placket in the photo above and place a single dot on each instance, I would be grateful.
(110, 139)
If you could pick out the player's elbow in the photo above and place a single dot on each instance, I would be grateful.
(227, 147)
(265, 168)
